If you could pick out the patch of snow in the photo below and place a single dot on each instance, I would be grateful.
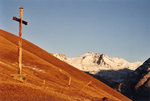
(35, 68)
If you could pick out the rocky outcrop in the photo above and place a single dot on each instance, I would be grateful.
(137, 84)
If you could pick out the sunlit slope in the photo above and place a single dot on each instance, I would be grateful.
(48, 77)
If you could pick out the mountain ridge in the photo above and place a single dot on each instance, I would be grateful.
(99, 59)
(96, 62)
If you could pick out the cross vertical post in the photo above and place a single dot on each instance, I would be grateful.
(21, 77)
(20, 41)
(20, 38)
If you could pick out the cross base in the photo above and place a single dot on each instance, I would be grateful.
(19, 77)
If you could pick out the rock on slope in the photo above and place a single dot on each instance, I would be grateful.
(49, 79)
(111, 69)
(137, 83)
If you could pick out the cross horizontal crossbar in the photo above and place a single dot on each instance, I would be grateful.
(17, 19)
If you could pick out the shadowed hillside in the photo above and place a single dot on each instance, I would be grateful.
(111, 77)
(137, 83)
(48, 78)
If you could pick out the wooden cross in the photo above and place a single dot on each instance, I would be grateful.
(20, 38)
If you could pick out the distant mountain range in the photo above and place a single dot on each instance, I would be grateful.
(131, 79)
(111, 69)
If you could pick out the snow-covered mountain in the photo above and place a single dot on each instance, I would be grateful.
(112, 69)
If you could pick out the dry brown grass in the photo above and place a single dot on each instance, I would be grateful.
(22, 92)
(48, 77)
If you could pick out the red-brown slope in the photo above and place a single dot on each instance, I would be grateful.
(47, 72)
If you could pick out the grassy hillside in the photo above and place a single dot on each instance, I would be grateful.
(48, 78)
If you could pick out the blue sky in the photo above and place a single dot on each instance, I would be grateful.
(117, 28)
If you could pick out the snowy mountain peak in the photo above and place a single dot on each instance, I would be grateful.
(101, 64)
(90, 58)
(96, 61)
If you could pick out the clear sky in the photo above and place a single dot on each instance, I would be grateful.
(117, 28)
